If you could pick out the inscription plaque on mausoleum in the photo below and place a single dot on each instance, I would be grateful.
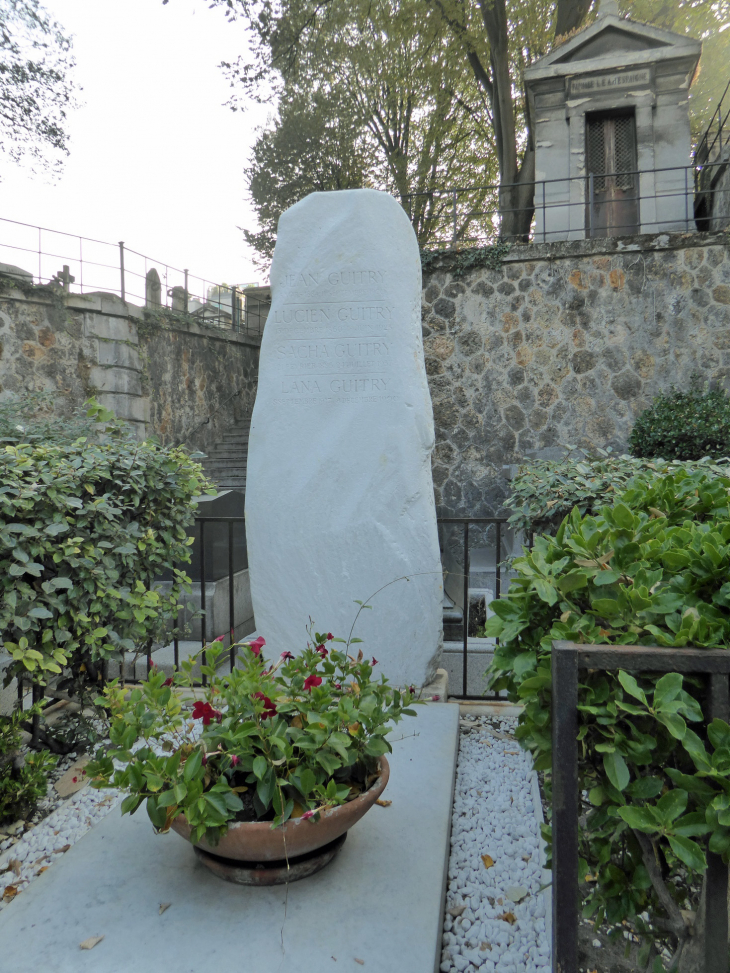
(339, 498)
(596, 83)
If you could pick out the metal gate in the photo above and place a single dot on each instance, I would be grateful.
(613, 182)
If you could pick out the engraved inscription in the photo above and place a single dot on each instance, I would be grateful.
(604, 82)
(336, 345)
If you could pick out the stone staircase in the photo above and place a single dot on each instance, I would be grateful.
(225, 462)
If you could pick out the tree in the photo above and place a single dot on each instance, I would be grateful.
(408, 106)
(314, 145)
(35, 87)
(489, 42)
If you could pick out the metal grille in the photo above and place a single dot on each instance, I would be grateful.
(624, 151)
(596, 145)
(610, 144)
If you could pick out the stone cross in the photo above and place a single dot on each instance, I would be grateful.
(64, 278)
(178, 298)
(339, 496)
(152, 289)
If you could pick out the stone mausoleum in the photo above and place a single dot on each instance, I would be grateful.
(612, 134)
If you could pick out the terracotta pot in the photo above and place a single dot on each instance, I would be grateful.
(257, 841)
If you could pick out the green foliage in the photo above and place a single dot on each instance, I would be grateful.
(32, 418)
(35, 87)
(651, 569)
(84, 529)
(545, 491)
(460, 262)
(23, 780)
(293, 738)
(684, 425)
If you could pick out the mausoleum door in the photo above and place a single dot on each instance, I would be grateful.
(612, 192)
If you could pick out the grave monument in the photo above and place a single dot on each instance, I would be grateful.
(339, 497)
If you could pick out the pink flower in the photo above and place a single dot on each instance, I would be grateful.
(206, 712)
(257, 645)
(307, 815)
(269, 707)
(337, 685)
(235, 760)
(286, 656)
(312, 681)
(435, 698)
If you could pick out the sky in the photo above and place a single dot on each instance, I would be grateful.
(156, 158)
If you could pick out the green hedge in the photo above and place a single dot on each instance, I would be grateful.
(653, 568)
(684, 425)
(85, 527)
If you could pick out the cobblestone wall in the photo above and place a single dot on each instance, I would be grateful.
(565, 344)
(165, 374)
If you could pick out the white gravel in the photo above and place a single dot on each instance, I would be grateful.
(494, 816)
(38, 848)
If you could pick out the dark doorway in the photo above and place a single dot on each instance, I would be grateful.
(612, 193)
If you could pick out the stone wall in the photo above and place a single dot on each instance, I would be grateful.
(565, 344)
(162, 372)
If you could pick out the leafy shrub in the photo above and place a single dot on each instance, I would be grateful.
(84, 529)
(34, 419)
(23, 780)
(277, 740)
(545, 491)
(684, 425)
(651, 569)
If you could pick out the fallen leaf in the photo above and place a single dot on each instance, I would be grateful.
(456, 910)
(383, 803)
(61, 850)
(164, 906)
(488, 861)
(500, 902)
(44, 869)
(508, 917)
(526, 858)
(485, 945)
(15, 866)
(10, 892)
(297, 722)
(240, 790)
(511, 753)
(360, 961)
(490, 900)
(90, 942)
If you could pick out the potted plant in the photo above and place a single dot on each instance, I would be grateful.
(265, 764)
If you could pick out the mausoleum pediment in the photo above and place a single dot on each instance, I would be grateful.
(612, 40)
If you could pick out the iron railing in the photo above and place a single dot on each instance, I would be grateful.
(562, 209)
(716, 135)
(80, 265)
(567, 659)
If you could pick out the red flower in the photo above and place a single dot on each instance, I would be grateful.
(219, 639)
(204, 759)
(330, 636)
(374, 662)
(337, 685)
(257, 645)
(269, 707)
(168, 681)
(75, 780)
(286, 656)
(235, 760)
(206, 712)
(435, 698)
(412, 689)
(307, 815)
(312, 681)
(322, 651)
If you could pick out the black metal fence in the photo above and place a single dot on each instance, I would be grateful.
(80, 265)
(567, 659)
(671, 199)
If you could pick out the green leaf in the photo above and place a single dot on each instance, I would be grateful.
(640, 819)
(689, 852)
(671, 805)
(193, 765)
(616, 770)
(644, 788)
(631, 686)
(260, 766)
(667, 689)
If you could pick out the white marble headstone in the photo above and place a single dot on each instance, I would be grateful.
(339, 497)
